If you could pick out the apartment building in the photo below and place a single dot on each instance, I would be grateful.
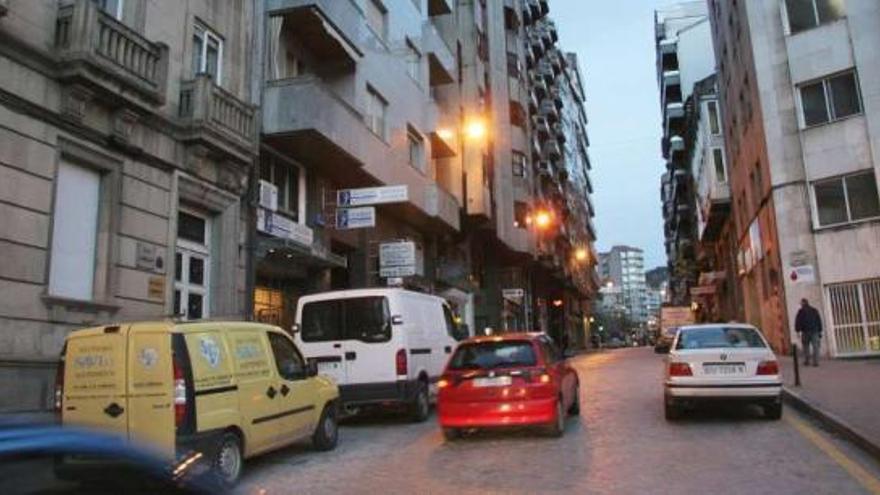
(799, 105)
(623, 267)
(682, 36)
(127, 135)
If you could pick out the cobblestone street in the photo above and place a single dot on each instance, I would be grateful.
(620, 444)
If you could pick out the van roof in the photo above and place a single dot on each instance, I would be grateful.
(172, 325)
(375, 291)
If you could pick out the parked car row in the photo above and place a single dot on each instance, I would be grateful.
(222, 392)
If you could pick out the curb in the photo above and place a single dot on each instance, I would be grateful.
(832, 422)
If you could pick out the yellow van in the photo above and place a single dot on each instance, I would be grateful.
(226, 390)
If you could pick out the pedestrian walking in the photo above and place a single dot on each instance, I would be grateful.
(808, 324)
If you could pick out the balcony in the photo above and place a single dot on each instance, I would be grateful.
(96, 49)
(330, 29)
(545, 70)
(550, 151)
(444, 138)
(536, 147)
(667, 46)
(441, 61)
(442, 205)
(548, 110)
(534, 8)
(559, 132)
(556, 96)
(674, 110)
(439, 7)
(218, 119)
(539, 85)
(306, 118)
(541, 127)
(536, 45)
(671, 77)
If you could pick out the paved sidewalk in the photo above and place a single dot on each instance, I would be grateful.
(843, 391)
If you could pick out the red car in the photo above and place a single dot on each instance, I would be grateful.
(507, 380)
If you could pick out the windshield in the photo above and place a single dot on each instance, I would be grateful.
(487, 355)
(719, 337)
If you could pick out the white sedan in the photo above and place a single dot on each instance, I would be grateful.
(721, 362)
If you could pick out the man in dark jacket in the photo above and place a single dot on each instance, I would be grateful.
(808, 324)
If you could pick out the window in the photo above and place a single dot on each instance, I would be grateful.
(192, 265)
(718, 158)
(289, 178)
(363, 318)
(719, 338)
(518, 163)
(847, 199)
(74, 232)
(413, 62)
(493, 355)
(377, 18)
(807, 14)
(416, 148)
(268, 305)
(291, 365)
(207, 53)
(377, 109)
(855, 316)
(714, 122)
(830, 99)
(450, 322)
(112, 7)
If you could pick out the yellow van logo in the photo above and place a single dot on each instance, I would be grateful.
(148, 357)
(210, 351)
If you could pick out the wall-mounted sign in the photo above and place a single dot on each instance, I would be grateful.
(355, 218)
(148, 257)
(397, 254)
(703, 290)
(804, 274)
(156, 288)
(371, 196)
(397, 271)
(513, 294)
(280, 226)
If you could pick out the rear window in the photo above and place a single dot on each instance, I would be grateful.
(488, 355)
(719, 337)
(361, 318)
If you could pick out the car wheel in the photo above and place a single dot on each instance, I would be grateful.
(420, 408)
(451, 434)
(557, 428)
(773, 411)
(672, 411)
(575, 408)
(326, 435)
(228, 459)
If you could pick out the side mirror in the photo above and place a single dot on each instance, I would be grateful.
(294, 329)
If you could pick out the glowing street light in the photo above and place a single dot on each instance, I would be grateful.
(475, 129)
(580, 255)
(543, 219)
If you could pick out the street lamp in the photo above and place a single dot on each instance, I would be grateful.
(580, 255)
(543, 219)
(475, 129)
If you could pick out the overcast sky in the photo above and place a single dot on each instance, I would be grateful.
(614, 42)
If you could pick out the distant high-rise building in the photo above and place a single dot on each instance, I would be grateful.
(624, 267)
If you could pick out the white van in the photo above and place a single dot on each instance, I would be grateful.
(382, 346)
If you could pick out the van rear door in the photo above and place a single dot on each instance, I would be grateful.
(95, 379)
(151, 386)
(321, 337)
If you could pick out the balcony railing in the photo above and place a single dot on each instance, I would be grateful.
(217, 116)
(92, 45)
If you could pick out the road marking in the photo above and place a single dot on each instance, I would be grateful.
(866, 479)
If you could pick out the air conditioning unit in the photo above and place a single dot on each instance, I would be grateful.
(268, 195)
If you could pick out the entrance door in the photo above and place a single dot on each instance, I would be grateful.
(192, 262)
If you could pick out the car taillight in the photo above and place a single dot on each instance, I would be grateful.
(59, 385)
(401, 363)
(680, 369)
(545, 378)
(180, 402)
(768, 368)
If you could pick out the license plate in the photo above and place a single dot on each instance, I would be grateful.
(724, 369)
(496, 381)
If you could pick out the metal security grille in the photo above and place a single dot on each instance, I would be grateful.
(855, 313)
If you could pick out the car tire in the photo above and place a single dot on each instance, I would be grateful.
(557, 428)
(420, 408)
(575, 408)
(773, 411)
(228, 459)
(671, 411)
(451, 434)
(326, 434)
